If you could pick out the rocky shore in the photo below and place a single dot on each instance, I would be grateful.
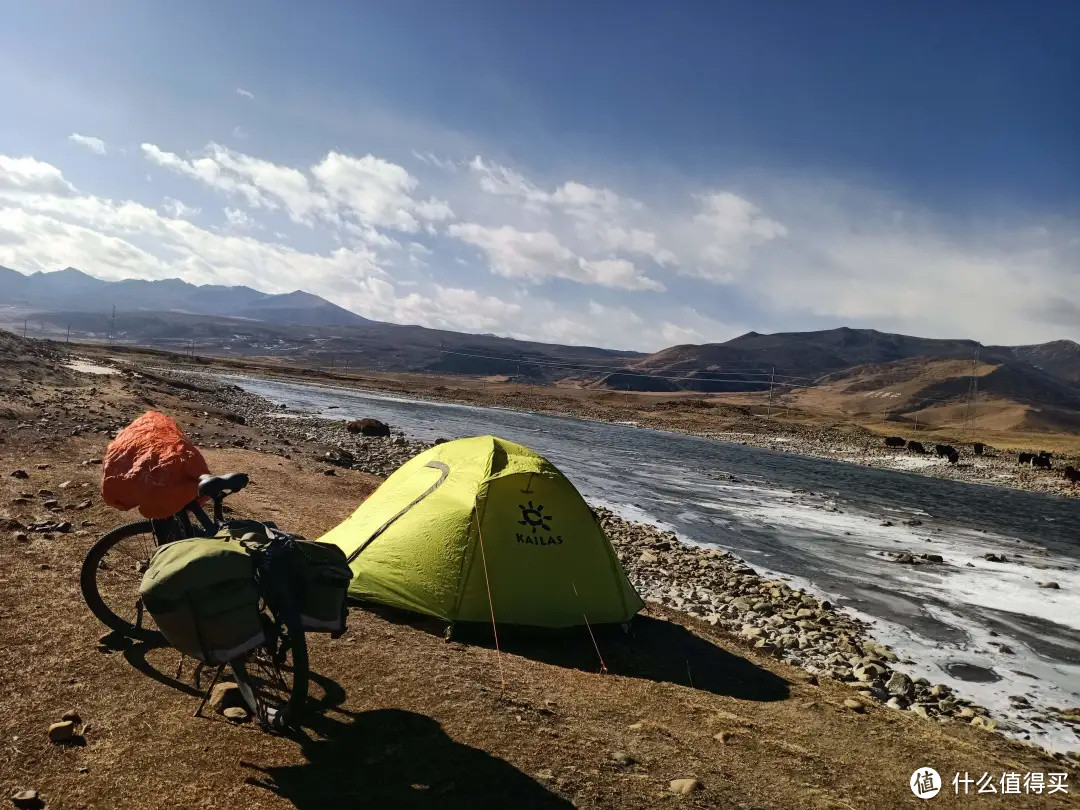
(795, 626)
(995, 467)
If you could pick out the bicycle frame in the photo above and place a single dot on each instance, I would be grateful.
(181, 527)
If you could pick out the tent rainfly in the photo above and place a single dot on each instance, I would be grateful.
(480, 530)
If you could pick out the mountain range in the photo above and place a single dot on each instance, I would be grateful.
(845, 364)
(72, 289)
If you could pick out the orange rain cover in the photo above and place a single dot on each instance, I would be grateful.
(151, 464)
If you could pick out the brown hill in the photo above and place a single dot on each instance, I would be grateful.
(992, 396)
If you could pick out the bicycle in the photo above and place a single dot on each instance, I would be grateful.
(272, 678)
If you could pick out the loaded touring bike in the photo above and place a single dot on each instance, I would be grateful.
(271, 667)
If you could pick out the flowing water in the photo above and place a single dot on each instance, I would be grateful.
(983, 627)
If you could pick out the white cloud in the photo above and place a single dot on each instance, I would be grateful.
(29, 176)
(719, 239)
(456, 308)
(178, 210)
(237, 218)
(710, 243)
(357, 195)
(207, 171)
(240, 91)
(431, 159)
(537, 255)
(240, 133)
(501, 180)
(89, 141)
(377, 192)
(775, 255)
(49, 224)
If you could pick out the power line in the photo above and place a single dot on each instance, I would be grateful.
(699, 376)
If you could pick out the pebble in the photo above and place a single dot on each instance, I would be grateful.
(223, 696)
(854, 705)
(20, 474)
(63, 731)
(26, 800)
(622, 758)
(235, 714)
(682, 787)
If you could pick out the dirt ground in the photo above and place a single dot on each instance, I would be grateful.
(402, 718)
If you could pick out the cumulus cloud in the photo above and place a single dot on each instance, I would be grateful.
(778, 255)
(357, 194)
(25, 175)
(456, 308)
(377, 192)
(237, 218)
(178, 210)
(710, 240)
(45, 223)
(535, 256)
(89, 141)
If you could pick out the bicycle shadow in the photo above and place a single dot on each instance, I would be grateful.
(397, 758)
(137, 655)
(655, 649)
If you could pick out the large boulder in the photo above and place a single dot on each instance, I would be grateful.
(368, 427)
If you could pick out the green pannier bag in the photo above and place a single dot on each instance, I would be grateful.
(326, 578)
(201, 593)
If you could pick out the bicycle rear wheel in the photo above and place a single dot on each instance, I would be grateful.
(110, 577)
(273, 678)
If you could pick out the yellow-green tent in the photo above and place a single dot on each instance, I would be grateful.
(483, 526)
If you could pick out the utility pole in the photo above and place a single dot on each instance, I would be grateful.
(973, 388)
(24, 327)
(68, 340)
(772, 376)
(112, 325)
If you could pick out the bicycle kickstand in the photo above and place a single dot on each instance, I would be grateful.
(209, 690)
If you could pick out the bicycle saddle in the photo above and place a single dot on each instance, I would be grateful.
(218, 486)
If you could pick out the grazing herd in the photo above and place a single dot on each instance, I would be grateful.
(948, 451)
(1040, 460)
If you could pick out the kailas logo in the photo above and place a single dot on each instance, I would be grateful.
(538, 526)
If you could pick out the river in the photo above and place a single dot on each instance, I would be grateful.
(983, 627)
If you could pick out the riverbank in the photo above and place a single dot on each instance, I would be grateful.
(782, 428)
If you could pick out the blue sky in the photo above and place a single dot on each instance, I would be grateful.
(624, 174)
